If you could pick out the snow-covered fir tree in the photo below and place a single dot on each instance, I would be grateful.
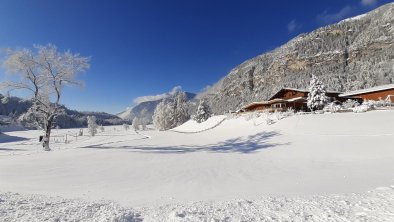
(92, 125)
(171, 112)
(162, 115)
(317, 98)
(181, 108)
(203, 112)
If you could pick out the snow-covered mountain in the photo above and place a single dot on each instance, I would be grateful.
(355, 53)
(146, 105)
(15, 107)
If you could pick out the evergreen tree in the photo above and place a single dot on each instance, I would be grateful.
(172, 112)
(181, 108)
(203, 112)
(317, 98)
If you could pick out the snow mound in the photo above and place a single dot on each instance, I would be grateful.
(192, 126)
(16, 207)
(376, 205)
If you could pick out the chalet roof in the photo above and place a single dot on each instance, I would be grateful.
(368, 90)
(298, 90)
(291, 89)
(296, 99)
(262, 103)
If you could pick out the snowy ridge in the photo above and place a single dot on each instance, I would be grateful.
(192, 126)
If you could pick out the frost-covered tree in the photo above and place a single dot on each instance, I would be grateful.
(162, 115)
(44, 72)
(126, 126)
(92, 125)
(136, 123)
(102, 128)
(171, 112)
(203, 112)
(348, 104)
(144, 118)
(317, 98)
(181, 107)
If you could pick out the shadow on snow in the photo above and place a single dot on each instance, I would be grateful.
(4, 138)
(249, 144)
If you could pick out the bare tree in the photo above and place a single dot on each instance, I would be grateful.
(44, 72)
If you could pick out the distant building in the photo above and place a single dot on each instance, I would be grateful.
(384, 92)
(287, 98)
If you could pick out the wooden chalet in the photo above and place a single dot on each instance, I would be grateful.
(384, 92)
(284, 99)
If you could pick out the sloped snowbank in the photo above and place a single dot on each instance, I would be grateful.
(192, 126)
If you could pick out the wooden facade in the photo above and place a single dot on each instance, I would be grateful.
(284, 99)
(297, 98)
(379, 93)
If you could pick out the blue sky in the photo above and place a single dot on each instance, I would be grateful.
(147, 47)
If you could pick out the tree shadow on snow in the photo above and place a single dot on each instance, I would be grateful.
(4, 138)
(249, 144)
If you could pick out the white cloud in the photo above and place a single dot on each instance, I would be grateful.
(291, 27)
(368, 2)
(142, 99)
(328, 18)
(345, 12)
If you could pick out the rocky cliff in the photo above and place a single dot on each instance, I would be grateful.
(355, 53)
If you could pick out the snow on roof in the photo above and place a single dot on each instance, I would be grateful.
(298, 90)
(368, 90)
(295, 99)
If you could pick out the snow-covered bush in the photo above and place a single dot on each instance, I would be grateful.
(317, 98)
(332, 108)
(203, 112)
(102, 128)
(232, 115)
(92, 125)
(268, 119)
(289, 112)
(250, 116)
(348, 104)
(382, 102)
(278, 115)
(361, 109)
(126, 126)
(371, 104)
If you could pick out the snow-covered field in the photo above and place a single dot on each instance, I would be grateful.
(304, 167)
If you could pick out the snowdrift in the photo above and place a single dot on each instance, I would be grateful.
(192, 126)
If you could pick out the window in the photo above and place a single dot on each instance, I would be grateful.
(278, 105)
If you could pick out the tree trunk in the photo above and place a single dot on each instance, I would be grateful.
(45, 142)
